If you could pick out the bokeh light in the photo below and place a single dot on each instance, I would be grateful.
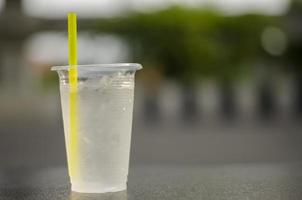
(274, 41)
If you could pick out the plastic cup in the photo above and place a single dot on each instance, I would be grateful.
(104, 122)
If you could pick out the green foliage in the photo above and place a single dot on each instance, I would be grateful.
(192, 43)
(293, 54)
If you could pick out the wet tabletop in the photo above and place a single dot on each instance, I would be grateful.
(235, 181)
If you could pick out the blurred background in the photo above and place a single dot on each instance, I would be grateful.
(222, 79)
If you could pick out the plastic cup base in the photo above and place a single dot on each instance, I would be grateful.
(96, 188)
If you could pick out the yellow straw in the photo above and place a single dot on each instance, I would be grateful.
(73, 87)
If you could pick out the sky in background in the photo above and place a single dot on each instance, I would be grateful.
(108, 8)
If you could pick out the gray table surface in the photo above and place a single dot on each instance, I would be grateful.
(234, 181)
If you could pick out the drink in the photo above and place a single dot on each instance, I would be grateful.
(104, 121)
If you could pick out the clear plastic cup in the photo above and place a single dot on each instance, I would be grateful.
(104, 121)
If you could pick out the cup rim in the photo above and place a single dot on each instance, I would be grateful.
(102, 67)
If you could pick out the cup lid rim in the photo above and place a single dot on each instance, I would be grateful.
(101, 67)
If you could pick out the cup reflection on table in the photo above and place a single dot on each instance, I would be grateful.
(99, 196)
